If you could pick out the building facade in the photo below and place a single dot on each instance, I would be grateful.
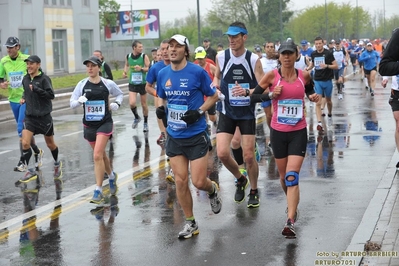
(61, 32)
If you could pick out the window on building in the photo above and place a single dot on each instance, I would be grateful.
(87, 43)
(46, 2)
(27, 40)
(54, 2)
(86, 3)
(69, 2)
(26, 1)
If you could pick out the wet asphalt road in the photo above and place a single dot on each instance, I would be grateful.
(338, 178)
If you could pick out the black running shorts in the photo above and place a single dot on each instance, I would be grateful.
(40, 125)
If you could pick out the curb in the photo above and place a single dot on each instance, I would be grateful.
(372, 215)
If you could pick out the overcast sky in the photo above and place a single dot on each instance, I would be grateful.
(171, 9)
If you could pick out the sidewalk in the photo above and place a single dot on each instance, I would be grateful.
(380, 224)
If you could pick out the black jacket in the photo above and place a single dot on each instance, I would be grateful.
(389, 65)
(38, 100)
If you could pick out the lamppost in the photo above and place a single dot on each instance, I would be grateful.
(132, 18)
(325, 5)
(357, 20)
(199, 23)
(281, 21)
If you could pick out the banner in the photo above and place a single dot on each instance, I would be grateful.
(145, 26)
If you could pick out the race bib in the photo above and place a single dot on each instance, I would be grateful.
(289, 112)
(318, 61)
(136, 78)
(175, 112)
(16, 79)
(95, 110)
(238, 100)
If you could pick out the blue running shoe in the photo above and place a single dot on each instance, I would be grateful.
(113, 187)
(97, 197)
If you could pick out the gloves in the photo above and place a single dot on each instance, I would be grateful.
(161, 114)
(114, 106)
(82, 99)
(191, 116)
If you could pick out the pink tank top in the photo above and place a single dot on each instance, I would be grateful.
(289, 106)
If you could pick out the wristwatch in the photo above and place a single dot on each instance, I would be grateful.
(271, 95)
(247, 92)
(201, 112)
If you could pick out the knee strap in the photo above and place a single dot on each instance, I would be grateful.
(292, 182)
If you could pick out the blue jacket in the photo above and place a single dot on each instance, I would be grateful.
(370, 59)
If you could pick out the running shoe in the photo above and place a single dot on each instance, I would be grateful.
(216, 202)
(190, 229)
(289, 230)
(97, 197)
(21, 167)
(162, 139)
(113, 187)
(371, 92)
(145, 127)
(240, 190)
(319, 127)
(58, 170)
(253, 199)
(136, 121)
(39, 158)
(257, 153)
(340, 97)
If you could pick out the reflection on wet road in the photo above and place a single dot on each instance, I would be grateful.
(140, 225)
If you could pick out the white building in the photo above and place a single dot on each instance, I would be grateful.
(61, 32)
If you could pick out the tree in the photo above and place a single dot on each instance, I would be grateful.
(261, 17)
(342, 21)
(108, 12)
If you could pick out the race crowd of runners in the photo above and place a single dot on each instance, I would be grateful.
(222, 88)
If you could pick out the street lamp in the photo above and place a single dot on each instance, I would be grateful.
(199, 23)
(325, 5)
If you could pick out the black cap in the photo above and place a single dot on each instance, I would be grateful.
(220, 45)
(12, 41)
(33, 59)
(93, 59)
(287, 46)
(258, 49)
(206, 40)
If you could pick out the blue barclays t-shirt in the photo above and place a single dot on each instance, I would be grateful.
(184, 90)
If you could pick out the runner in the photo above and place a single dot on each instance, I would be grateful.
(238, 64)
(38, 94)
(105, 68)
(12, 70)
(151, 86)
(93, 93)
(324, 63)
(200, 56)
(210, 52)
(341, 58)
(289, 132)
(370, 59)
(183, 85)
(136, 66)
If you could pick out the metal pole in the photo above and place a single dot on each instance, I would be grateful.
(325, 5)
(132, 18)
(281, 21)
(357, 20)
(199, 23)
(384, 21)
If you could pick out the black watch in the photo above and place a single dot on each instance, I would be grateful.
(201, 112)
(247, 92)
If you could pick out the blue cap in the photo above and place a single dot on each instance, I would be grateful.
(304, 42)
(234, 30)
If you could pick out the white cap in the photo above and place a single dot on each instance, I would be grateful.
(180, 39)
